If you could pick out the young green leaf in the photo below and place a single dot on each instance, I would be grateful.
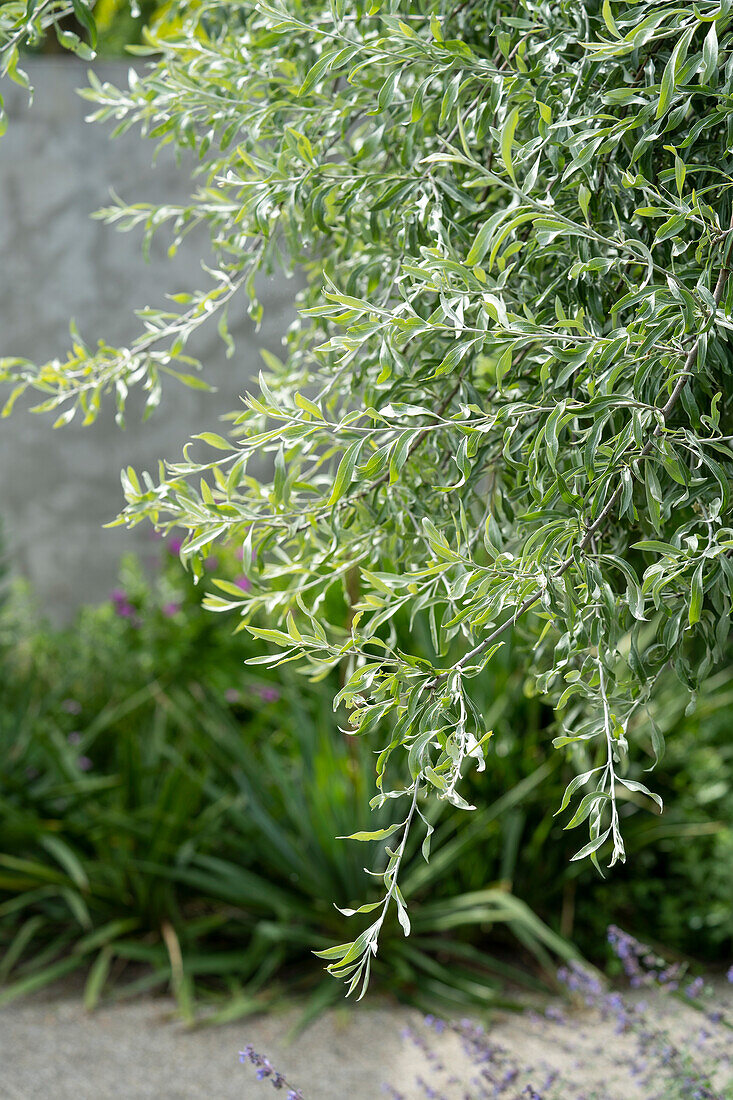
(345, 472)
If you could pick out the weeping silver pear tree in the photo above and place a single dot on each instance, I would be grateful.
(505, 408)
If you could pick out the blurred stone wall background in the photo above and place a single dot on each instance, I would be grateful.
(58, 488)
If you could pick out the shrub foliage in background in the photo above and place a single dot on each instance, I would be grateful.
(89, 28)
(168, 818)
(503, 410)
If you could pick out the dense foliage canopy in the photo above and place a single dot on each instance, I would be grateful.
(504, 407)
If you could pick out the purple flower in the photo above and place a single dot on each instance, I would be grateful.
(171, 608)
(729, 975)
(641, 965)
(695, 988)
(266, 1071)
(123, 607)
(243, 582)
(231, 695)
(74, 737)
(211, 563)
(71, 706)
(268, 694)
(84, 763)
(174, 545)
(579, 980)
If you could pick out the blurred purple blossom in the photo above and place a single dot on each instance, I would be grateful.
(84, 763)
(211, 563)
(74, 737)
(123, 608)
(71, 706)
(231, 695)
(578, 979)
(644, 968)
(268, 694)
(171, 608)
(695, 988)
(243, 582)
(174, 545)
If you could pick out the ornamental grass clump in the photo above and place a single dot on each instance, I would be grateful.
(505, 409)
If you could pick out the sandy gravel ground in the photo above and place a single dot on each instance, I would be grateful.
(51, 1049)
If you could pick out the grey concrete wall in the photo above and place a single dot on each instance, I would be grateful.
(57, 488)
